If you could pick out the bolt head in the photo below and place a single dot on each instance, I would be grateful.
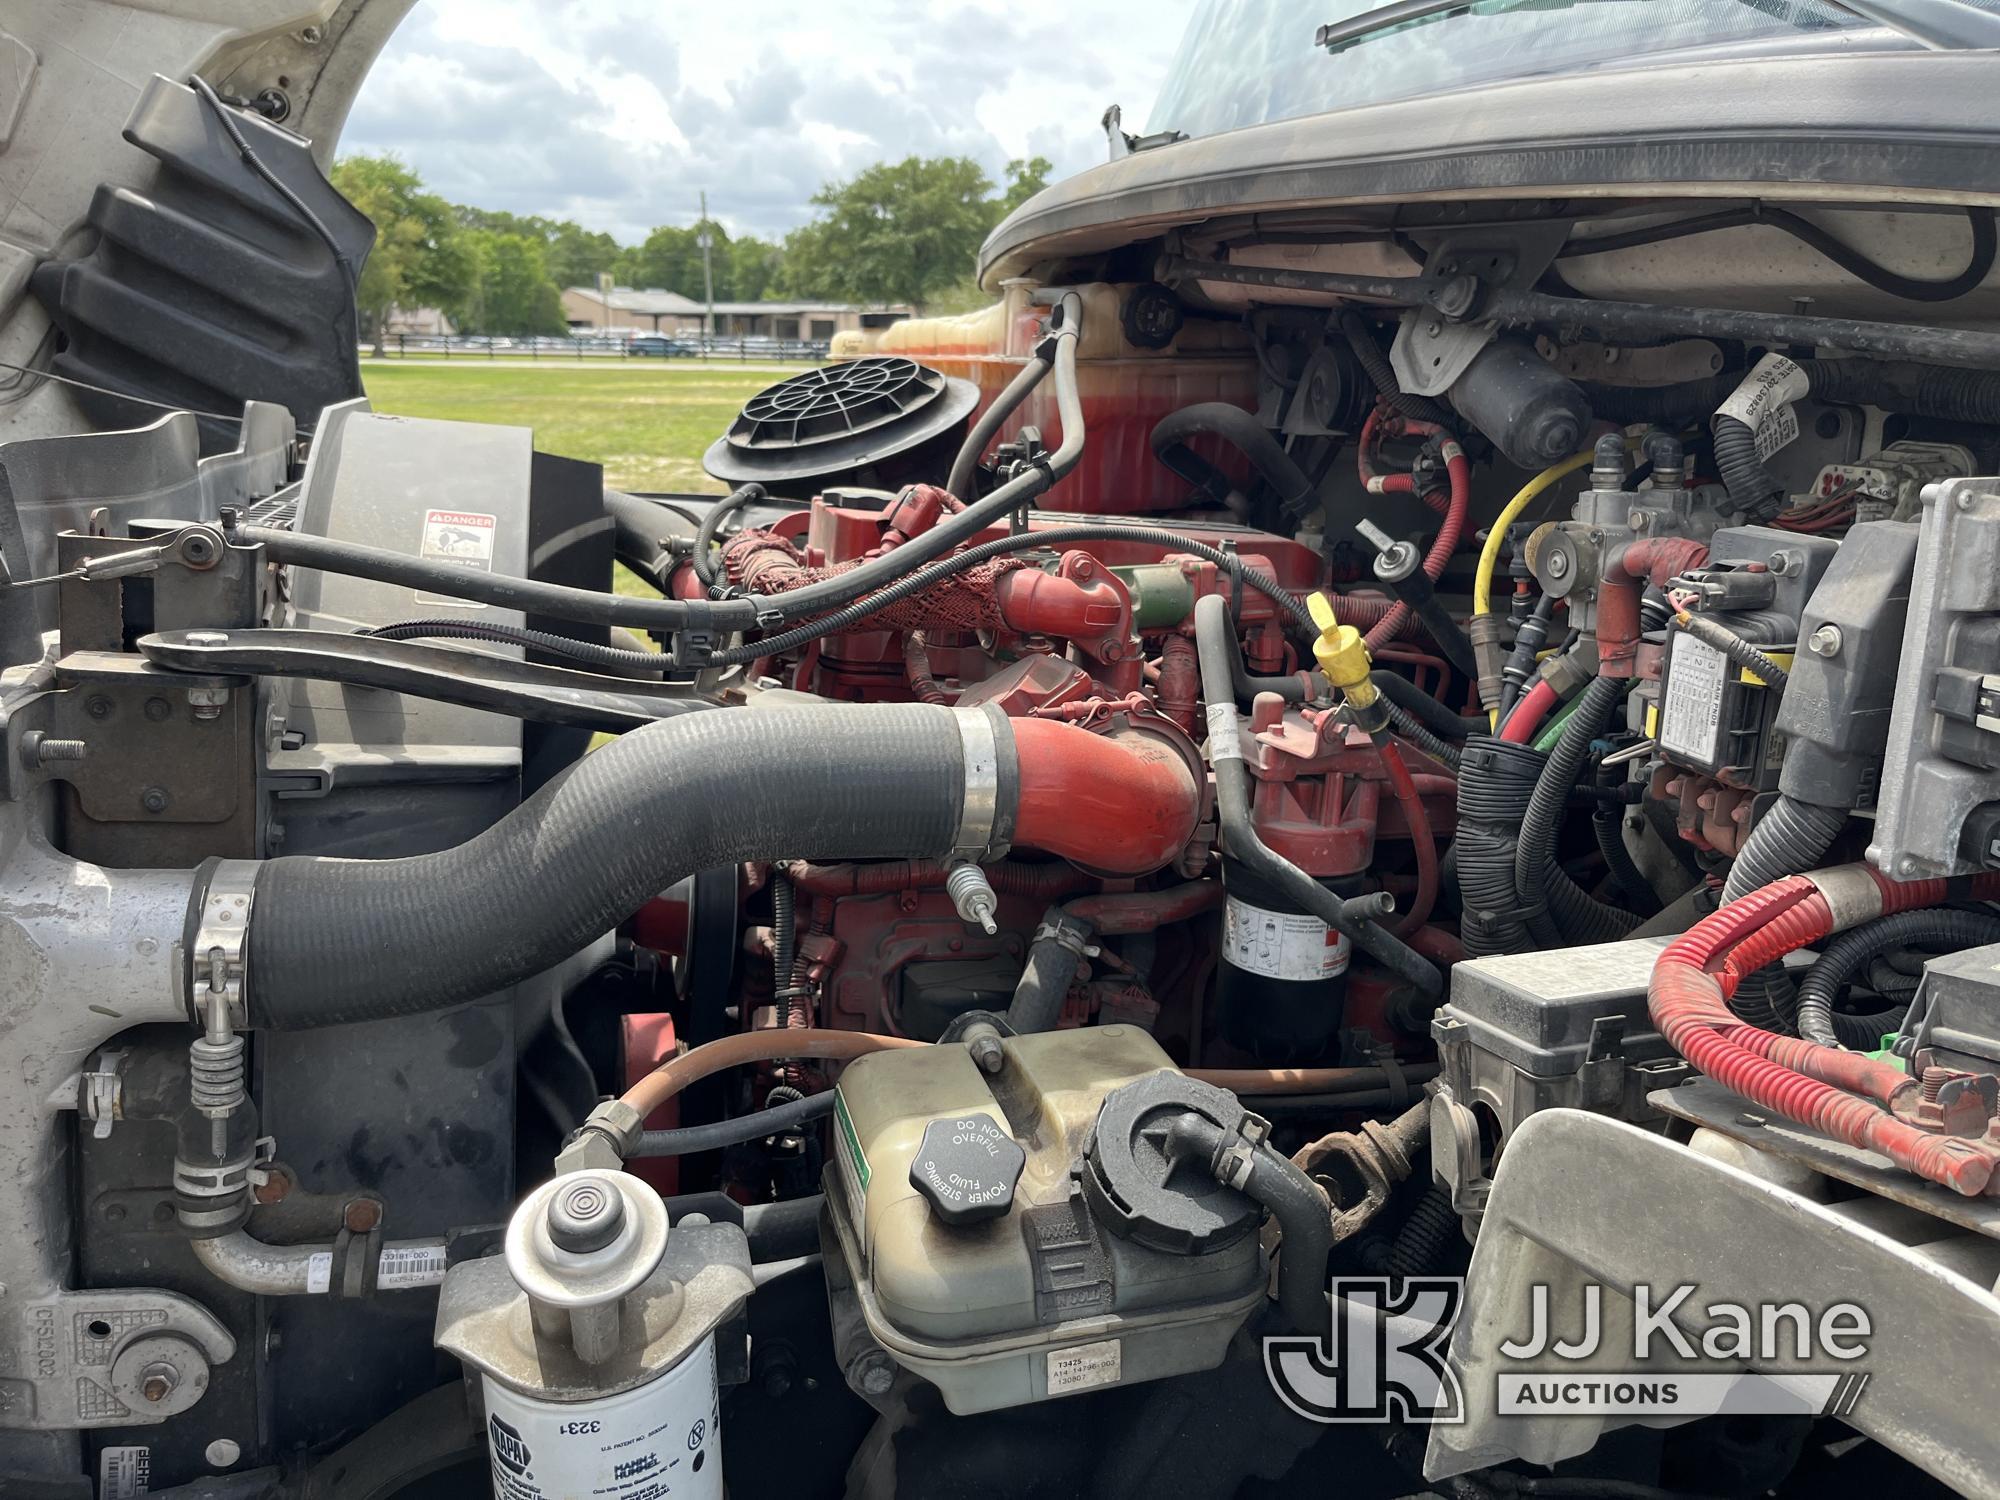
(157, 1380)
(97, 706)
(987, 1052)
(874, 1373)
(585, 1216)
(153, 799)
(1825, 641)
(222, 1453)
(1558, 565)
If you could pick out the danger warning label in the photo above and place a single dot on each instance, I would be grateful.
(462, 538)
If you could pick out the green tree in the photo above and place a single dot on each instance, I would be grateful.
(1026, 176)
(755, 267)
(419, 259)
(511, 292)
(670, 258)
(904, 231)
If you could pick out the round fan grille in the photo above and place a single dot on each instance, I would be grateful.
(837, 401)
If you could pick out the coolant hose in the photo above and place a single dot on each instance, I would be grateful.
(1944, 927)
(966, 465)
(711, 526)
(1239, 835)
(1438, 718)
(1045, 977)
(1242, 431)
(1275, 1182)
(336, 940)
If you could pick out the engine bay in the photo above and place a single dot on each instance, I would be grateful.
(1421, 742)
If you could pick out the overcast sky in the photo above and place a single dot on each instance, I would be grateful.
(616, 113)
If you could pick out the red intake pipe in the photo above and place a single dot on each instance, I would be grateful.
(1119, 803)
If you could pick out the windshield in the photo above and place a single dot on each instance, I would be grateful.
(1245, 62)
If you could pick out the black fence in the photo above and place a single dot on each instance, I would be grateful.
(748, 347)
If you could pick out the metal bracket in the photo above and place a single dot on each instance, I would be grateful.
(1435, 344)
(112, 1359)
(220, 958)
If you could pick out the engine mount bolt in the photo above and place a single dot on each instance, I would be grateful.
(157, 1380)
(1824, 641)
(586, 1216)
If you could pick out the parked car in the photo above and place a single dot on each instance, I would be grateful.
(661, 346)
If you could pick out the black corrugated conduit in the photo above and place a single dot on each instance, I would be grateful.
(1555, 915)
(1944, 928)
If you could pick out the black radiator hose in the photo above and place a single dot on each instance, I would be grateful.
(1297, 494)
(1045, 977)
(337, 940)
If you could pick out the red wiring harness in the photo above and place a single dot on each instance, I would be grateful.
(1535, 706)
(1854, 1098)
(1458, 468)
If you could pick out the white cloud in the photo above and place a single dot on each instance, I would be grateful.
(618, 113)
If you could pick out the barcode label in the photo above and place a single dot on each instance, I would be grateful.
(124, 1473)
(410, 1265)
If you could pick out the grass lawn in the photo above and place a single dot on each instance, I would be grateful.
(648, 425)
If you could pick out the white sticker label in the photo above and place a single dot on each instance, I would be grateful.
(1282, 945)
(319, 1272)
(410, 1265)
(462, 538)
(1763, 402)
(1085, 1367)
(124, 1473)
(661, 1439)
(1691, 711)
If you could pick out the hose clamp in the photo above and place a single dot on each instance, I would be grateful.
(981, 835)
(219, 964)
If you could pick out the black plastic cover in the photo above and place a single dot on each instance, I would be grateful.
(207, 289)
(967, 1167)
(1142, 1188)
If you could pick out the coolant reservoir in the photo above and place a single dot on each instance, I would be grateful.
(964, 1251)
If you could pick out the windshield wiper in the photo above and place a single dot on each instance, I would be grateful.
(1940, 25)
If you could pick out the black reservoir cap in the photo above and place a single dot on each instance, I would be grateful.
(967, 1166)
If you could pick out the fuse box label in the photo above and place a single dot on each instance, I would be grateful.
(1691, 708)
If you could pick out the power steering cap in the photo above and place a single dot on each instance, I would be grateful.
(966, 1167)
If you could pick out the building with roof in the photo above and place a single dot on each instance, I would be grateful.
(655, 310)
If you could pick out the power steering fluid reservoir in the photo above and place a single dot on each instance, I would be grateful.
(594, 1343)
